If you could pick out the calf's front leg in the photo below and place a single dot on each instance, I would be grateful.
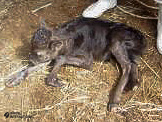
(84, 62)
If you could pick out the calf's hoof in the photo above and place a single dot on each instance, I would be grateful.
(113, 107)
(131, 86)
(54, 82)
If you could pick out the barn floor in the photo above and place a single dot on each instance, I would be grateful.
(86, 93)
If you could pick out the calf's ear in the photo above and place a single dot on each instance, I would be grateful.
(56, 45)
(44, 25)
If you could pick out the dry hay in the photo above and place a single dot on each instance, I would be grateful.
(86, 93)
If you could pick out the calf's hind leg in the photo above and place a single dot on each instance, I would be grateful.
(133, 78)
(121, 55)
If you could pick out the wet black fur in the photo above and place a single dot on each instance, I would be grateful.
(84, 40)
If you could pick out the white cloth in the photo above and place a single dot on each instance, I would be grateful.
(159, 29)
(96, 9)
(158, 1)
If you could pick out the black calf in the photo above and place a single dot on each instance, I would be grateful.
(83, 40)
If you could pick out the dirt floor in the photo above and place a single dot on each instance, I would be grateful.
(85, 96)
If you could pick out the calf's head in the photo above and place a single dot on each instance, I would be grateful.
(44, 46)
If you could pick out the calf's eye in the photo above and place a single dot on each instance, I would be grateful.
(38, 53)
